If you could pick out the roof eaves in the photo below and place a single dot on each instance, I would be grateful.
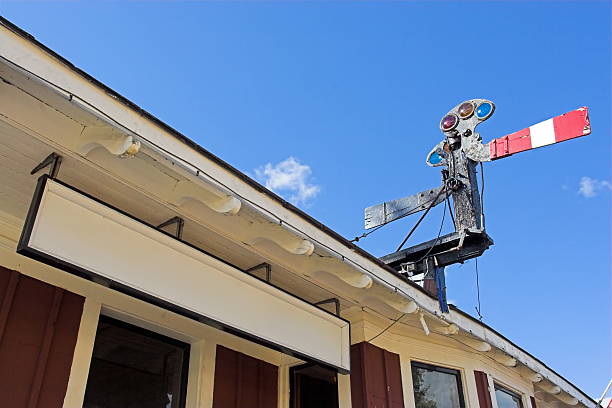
(257, 186)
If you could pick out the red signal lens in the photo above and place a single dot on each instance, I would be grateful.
(449, 122)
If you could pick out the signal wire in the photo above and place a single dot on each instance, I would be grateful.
(482, 221)
(420, 219)
(482, 184)
(437, 237)
(424, 256)
(450, 210)
(478, 291)
(365, 234)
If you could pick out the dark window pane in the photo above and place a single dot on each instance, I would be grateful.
(506, 398)
(132, 367)
(436, 387)
(313, 386)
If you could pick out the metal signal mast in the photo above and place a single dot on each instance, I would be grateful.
(459, 153)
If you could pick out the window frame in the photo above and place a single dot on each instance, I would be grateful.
(509, 391)
(293, 382)
(185, 347)
(441, 369)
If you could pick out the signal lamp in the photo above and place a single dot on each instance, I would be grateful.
(449, 122)
(466, 110)
(435, 158)
(484, 110)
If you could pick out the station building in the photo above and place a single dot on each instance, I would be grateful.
(137, 269)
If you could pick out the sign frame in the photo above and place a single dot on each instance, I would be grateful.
(26, 248)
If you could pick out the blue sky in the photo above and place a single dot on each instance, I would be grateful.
(354, 91)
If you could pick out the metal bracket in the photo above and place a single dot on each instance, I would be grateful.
(180, 223)
(53, 161)
(335, 301)
(265, 265)
(456, 247)
(462, 236)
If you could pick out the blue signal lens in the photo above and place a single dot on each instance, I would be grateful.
(484, 110)
(435, 158)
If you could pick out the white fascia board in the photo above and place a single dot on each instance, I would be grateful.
(35, 59)
(81, 235)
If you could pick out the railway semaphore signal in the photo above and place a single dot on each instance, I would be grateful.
(458, 154)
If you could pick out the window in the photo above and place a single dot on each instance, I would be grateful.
(506, 398)
(313, 386)
(133, 367)
(436, 387)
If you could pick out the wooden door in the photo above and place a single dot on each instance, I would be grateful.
(243, 381)
(39, 324)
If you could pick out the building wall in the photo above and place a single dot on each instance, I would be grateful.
(413, 344)
(203, 339)
(409, 344)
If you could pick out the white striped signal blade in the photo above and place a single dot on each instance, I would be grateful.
(558, 129)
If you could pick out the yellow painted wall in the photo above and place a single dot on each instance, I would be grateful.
(410, 343)
(413, 344)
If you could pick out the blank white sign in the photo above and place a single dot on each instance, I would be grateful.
(89, 235)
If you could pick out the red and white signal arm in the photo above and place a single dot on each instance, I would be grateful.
(558, 129)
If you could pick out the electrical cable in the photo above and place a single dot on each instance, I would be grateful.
(447, 336)
(420, 219)
(388, 327)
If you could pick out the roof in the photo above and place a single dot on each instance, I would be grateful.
(252, 183)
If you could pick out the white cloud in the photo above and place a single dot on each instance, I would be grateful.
(289, 176)
(589, 187)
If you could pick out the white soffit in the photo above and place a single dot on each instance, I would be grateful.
(81, 235)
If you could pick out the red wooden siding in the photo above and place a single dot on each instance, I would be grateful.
(482, 386)
(244, 381)
(376, 379)
(38, 331)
